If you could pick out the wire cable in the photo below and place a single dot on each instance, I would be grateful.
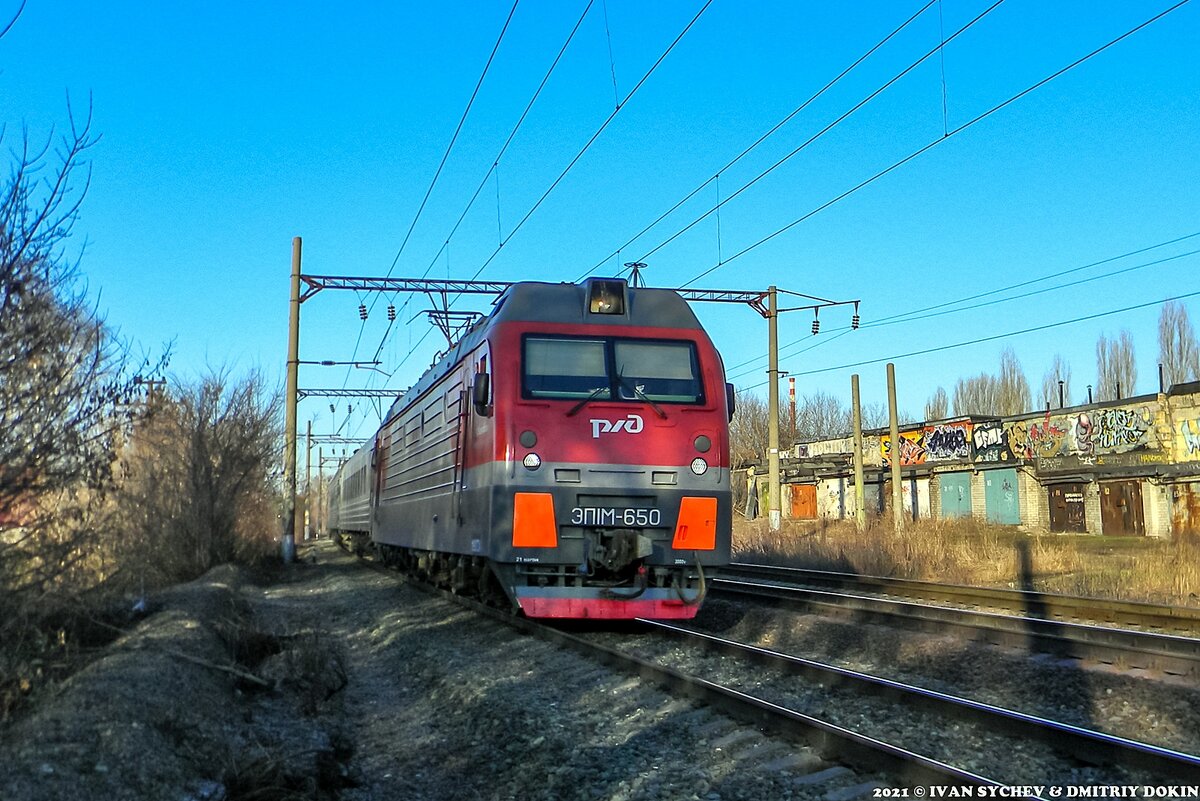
(970, 123)
(761, 139)
(890, 82)
(909, 316)
(992, 338)
(594, 137)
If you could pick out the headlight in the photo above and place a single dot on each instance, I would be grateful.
(699, 466)
(532, 462)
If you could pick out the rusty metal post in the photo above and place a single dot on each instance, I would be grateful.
(289, 416)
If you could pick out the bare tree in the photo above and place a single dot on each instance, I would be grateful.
(821, 415)
(64, 393)
(748, 429)
(938, 405)
(976, 395)
(197, 479)
(1116, 368)
(1059, 371)
(1177, 350)
(1012, 385)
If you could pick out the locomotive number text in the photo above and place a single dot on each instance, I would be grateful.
(601, 516)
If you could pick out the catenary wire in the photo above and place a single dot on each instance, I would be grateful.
(761, 138)
(934, 309)
(495, 164)
(970, 123)
(842, 118)
(991, 338)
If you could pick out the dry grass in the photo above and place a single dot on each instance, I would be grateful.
(976, 553)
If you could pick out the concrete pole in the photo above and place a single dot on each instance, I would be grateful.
(860, 496)
(773, 491)
(289, 414)
(792, 406)
(306, 515)
(320, 491)
(894, 431)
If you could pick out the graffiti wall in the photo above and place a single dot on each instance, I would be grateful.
(1085, 434)
(989, 443)
(948, 442)
(1189, 430)
(912, 448)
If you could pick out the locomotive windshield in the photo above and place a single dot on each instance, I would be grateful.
(611, 369)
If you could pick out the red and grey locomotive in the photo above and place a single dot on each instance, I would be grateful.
(570, 451)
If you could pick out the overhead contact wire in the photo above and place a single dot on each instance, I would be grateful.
(762, 138)
(939, 140)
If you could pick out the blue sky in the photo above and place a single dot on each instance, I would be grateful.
(227, 129)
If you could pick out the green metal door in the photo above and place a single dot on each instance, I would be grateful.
(1000, 496)
(954, 492)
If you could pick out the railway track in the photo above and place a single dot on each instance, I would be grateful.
(1169, 655)
(900, 766)
(1179, 620)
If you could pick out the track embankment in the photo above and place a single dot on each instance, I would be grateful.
(338, 681)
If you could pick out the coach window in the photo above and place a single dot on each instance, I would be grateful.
(566, 368)
(660, 371)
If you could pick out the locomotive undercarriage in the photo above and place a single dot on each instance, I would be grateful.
(615, 569)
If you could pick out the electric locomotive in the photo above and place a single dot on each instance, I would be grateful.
(570, 453)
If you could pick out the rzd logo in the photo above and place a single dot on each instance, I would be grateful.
(632, 424)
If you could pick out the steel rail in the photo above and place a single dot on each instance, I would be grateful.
(1050, 606)
(1087, 745)
(832, 742)
(1123, 648)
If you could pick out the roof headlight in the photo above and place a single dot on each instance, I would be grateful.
(532, 461)
(699, 466)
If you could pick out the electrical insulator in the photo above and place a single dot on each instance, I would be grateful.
(349, 410)
(332, 409)
(854, 322)
(362, 311)
(391, 312)
(816, 326)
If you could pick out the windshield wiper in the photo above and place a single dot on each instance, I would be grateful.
(595, 394)
(641, 396)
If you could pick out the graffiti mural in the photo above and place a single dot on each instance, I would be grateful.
(1190, 429)
(1083, 430)
(990, 443)
(1034, 439)
(1121, 430)
(947, 442)
(912, 448)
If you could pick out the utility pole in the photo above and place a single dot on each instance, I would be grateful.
(894, 430)
(792, 406)
(320, 490)
(289, 420)
(860, 496)
(308, 506)
(774, 515)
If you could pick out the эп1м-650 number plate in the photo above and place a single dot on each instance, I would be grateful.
(603, 516)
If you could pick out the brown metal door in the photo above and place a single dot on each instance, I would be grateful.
(1121, 508)
(804, 501)
(1066, 508)
(1185, 508)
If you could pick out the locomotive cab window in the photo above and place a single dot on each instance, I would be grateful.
(634, 370)
(660, 371)
(565, 368)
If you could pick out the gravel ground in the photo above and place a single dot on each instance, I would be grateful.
(1139, 708)
(339, 681)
